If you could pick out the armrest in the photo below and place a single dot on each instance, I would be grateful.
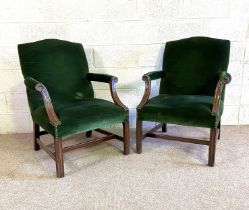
(33, 84)
(153, 75)
(225, 78)
(115, 98)
(99, 77)
(112, 84)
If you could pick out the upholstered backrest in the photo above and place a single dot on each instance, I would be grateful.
(192, 66)
(60, 65)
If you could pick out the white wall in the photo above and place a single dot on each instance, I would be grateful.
(124, 38)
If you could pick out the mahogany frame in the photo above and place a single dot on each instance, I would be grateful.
(59, 150)
(214, 132)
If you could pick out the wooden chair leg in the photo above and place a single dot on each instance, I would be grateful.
(219, 131)
(212, 146)
(139, 128)
(88, 133)
(164, 127)
(36, 135)
(126, 135)
(59, 157)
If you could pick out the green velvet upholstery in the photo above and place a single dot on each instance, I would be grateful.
(80, 116)
(193, 65)
(192, 110)
(99, 77)
(31, 83)
(62, 67)
(59, 65)
(192, 68)
(225, 74)
(155, 75)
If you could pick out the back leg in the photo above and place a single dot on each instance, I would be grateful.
(36, 134)
(164, 127)
(219, 131)
(88, 133)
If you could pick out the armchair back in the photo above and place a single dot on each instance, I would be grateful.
(59, 65)
(193, 66)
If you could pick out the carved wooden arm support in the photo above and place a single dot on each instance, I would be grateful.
(112, 83)
(224, 79)
(114, 94)
(37, 86)
(147, 79)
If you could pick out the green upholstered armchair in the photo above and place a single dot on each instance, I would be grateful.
(191, 92)
(61, 97)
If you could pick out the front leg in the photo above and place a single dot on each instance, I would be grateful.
(126, 136)
(212, 146)
(59, 157)
(139, 136)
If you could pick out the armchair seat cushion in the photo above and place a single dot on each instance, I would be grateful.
(80, 116)
(190, 110)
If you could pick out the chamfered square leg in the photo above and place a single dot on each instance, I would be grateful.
(126, 136)
(36, 130)
(212, 146)
(59, 157)
(164, 127)
(139, 128)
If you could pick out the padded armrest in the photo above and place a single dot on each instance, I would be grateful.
(153, 75)
(225, 77)
(31, 83)
(100, 77)
(112, 83)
